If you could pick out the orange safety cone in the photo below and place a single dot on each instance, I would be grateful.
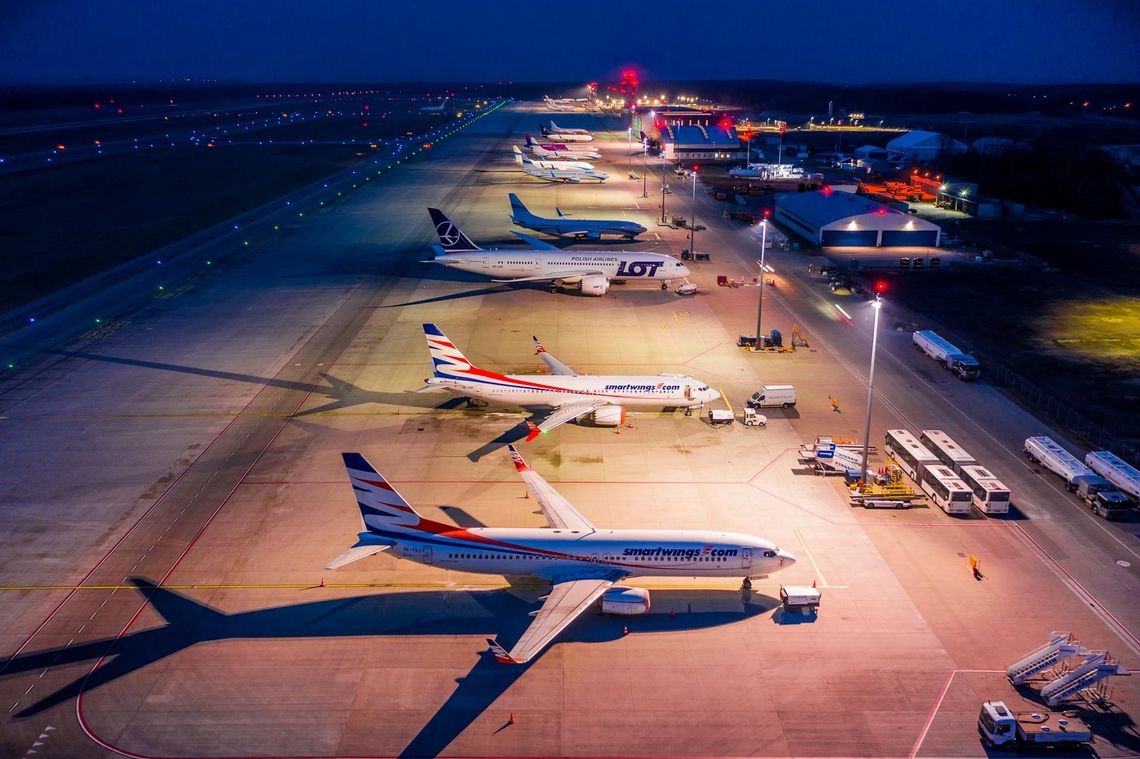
(322, 582)
(813, 583)
(511, 720)
(526, 495)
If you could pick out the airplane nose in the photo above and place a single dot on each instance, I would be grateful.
(786, 559)
(712, 395)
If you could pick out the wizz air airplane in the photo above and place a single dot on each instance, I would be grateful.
(558, 163)
(569, 395)
(589, 271)
(555, 129)
(592, 229)
(556, 172)
(565, 136)
(583, 563)
(558, 150)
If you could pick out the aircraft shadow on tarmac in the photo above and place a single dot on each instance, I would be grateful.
(494, 613)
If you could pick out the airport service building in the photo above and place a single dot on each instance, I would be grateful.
(830, 218)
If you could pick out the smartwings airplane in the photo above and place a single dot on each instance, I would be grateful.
(570, 395)
(589, 270)
(583, 563)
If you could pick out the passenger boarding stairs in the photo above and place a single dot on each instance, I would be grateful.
(1066, 682)
(1097, 666)
(1060, 647)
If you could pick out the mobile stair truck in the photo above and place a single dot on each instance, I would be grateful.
(1100, 494)
(1001, 727)
(963, 365)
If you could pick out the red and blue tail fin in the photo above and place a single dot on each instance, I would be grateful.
(446, 359)
(381, 507)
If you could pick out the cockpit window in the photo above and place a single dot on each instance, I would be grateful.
(769, 554)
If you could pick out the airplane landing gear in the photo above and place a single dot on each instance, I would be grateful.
(747, 584)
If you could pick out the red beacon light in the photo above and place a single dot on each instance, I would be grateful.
(880, 287)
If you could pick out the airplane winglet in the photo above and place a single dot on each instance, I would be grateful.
(537, 345)
(533, 433)
(518, 459)
(500, 653)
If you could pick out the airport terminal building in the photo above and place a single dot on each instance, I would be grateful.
(829, 218)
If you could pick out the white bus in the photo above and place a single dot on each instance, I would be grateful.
(944, 488)
(948, 452)
(904, 448)
(991, 496)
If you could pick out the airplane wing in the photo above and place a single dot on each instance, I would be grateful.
(560, 416)
(559, 513)
(559, 275)
(555, 366)
(568, 598)
(536, 244)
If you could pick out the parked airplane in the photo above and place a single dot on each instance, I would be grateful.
(583, 564)
(435, 109)
(557, 163)
(555, 129)
(556, 173)
(590, 271)
(556, 105)
(569, 395)
(565, 136)
(558, 150)
(592, 229)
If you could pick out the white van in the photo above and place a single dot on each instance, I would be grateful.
(773, 395)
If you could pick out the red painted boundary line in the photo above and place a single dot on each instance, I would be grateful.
(1120, 626)
(938, 705)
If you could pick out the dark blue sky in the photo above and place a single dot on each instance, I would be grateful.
(852, 41)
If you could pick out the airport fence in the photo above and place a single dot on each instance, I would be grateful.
(1032, 396)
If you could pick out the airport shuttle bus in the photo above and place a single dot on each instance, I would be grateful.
(944, 488)
(991, 496)
(903, 447)
(948, 452)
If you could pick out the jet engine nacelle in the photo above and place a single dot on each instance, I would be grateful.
(609, 416)
(595, 284)
(625, 601)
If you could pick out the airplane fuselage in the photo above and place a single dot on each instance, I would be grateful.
(505, 264)
(551, 553)
(591, 228)
(558, 390)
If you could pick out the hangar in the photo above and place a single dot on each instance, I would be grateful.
(842, 219)
(918, 145)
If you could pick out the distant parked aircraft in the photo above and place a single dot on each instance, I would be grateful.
(592, 229)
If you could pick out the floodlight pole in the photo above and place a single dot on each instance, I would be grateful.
(877, 305)
(629, 169)
(693, 221)
(760, 304)
(664, 161)
(644, 170)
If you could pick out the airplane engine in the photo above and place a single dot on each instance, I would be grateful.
(627, 602)
(609, 416)
(595, 284)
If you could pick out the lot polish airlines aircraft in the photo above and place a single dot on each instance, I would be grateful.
(565, 136)
(582, 563)
(557, 163)
(557, 173)
(592, 229)
(590, 270)
(570, 395)
(558, 150)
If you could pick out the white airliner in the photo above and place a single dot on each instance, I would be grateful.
(565, 136)
(569, 395)
(589, 271)
(558, 150)
(582, 563)
(559, 173)
(558, 163)
(555, 129)
(435, 109)
(591, 229)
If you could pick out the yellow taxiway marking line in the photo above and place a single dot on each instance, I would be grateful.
(727, 402)
(819, 574)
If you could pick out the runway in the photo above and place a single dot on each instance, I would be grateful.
(174, 488)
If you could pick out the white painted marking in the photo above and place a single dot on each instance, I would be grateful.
(839, 308)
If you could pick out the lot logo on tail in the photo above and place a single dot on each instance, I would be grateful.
(448, 233)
